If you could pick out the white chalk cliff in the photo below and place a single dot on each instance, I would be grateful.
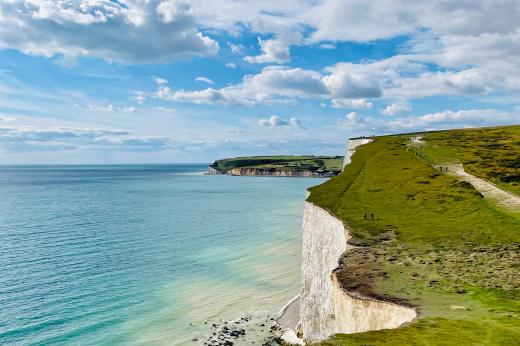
(352, 144)
(325, 308)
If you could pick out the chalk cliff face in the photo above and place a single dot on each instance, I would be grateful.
(276, 172)
(325, 308)
(324, 241)
(273, 172)
(351, 148)
(213, 171)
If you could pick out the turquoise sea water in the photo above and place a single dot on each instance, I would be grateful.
(142, 254)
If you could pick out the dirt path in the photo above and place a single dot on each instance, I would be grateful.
(492, 192)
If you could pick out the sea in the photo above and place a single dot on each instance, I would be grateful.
(145, 254)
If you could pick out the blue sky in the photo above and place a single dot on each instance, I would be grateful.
(99, 81)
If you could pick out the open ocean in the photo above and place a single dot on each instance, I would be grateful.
(143, 254)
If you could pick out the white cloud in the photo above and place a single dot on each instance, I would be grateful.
(30, 138)
(273, 51)
(273, 84)
(236, 48)
(139, 97)
(354, 120)
(160, 81)
(131, 32)
(276, 121)
(204, 80)
(295, 122)
(433, 121)
(358, 20)
(462, 118)
(396, 108)
(231, 65)
(352, 103)
(273, 121)
(278, 84)
(327, 46)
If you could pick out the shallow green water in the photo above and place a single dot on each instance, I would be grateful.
(142, 254)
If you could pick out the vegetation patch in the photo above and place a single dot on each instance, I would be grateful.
(489, 153)
(321, 164)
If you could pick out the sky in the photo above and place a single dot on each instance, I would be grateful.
(164, 81)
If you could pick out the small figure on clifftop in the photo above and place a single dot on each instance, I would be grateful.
(372, 216)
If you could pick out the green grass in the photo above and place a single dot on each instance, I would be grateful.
(489, 153)
(331, 164)
(436, 243)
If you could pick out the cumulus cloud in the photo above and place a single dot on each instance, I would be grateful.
(139, 97)
(273, 84)
(231, 65)
(278, 84)
(354, 120)
(273, 121)
(236, 48)
(295, 122)
(352, 103)
(273, 51)
(204, 80)
(130, 32)
(160, 81)
(276, 121)
(396, 108)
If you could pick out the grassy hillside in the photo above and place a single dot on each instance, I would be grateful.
(299, 163)
(489, 153)
(435, 243)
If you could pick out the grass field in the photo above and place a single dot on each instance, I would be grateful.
(489, 153)
(435, 243)
(331, 164)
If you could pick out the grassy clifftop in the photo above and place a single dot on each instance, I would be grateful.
(435, 242)
(332, 164)
(490, 153)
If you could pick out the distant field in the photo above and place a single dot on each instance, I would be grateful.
(331, 164)
(435, 243)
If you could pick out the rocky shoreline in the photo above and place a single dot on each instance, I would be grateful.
(230, 333)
